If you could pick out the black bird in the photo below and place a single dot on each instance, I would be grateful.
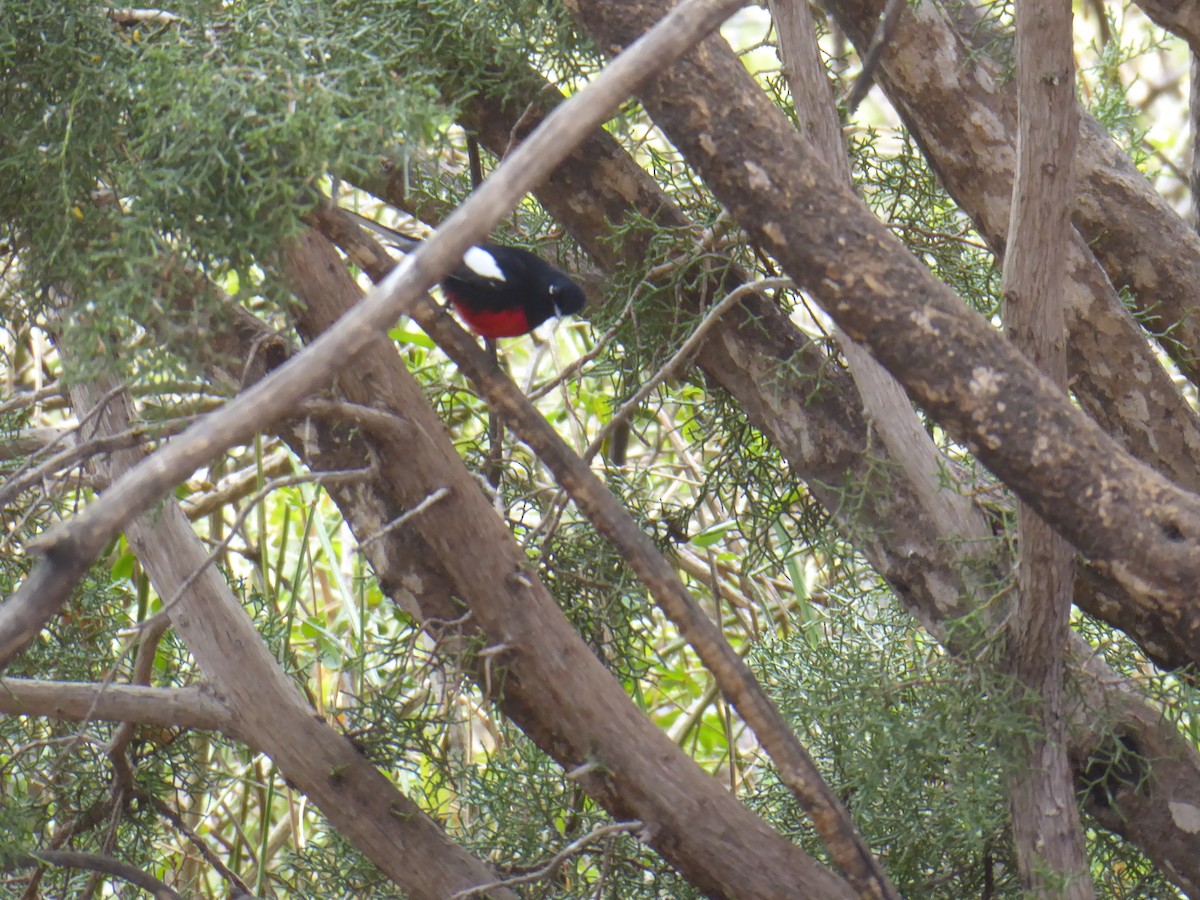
(499, 291)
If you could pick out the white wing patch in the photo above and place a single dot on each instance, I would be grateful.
(483, 264)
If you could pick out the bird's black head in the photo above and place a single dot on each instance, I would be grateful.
(567, 296)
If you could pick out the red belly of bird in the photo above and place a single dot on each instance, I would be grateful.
(493, 323)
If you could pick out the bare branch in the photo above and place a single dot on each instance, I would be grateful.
(1132, 522)
(76, 702)
(887, 406)
(236, 486)
(30, 398)
(99, 862)
(551, 866)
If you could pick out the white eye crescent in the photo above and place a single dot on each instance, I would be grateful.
(483, 264)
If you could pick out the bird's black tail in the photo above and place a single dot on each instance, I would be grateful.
(394, 238)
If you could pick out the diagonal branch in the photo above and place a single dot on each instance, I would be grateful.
(886, 405)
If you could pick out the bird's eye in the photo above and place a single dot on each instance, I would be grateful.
(553, 289)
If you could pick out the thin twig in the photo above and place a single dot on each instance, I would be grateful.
(98, 862)
(576, 846)
(879, 41)
(684, 353)
(194, 839)
(440, 494)
(568, 372)
(938, 235)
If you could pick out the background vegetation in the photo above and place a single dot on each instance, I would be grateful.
(137, 156)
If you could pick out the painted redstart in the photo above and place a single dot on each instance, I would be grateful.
(499, 291)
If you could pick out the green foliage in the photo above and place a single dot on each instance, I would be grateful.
(1121, 875)
(908, 737)
(77, 645)
(461, 45)
(601, 598)
(330, 866)
(1105, 95)
(902, 189)
(131, 154)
